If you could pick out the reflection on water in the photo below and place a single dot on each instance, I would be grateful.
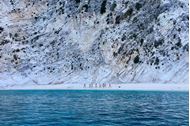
(97, 108)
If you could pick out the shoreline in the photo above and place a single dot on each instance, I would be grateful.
(116, 87)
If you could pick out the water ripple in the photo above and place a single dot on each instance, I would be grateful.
(97, 108)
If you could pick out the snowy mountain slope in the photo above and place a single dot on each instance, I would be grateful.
(93, 41)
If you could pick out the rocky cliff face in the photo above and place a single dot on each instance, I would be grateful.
(93, 41)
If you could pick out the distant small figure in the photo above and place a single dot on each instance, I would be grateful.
(84, 86)
(104, 85)
(109, 85)
(96, 85)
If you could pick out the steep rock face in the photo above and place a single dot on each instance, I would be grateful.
(93, 41)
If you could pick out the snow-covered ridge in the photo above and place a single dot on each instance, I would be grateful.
(93, 41)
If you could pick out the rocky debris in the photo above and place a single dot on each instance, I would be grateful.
(72, 41)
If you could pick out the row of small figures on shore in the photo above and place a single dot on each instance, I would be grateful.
(97, 85)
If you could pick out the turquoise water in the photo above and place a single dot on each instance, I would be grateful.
(94, 108)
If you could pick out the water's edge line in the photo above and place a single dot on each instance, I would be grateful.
(115, 87)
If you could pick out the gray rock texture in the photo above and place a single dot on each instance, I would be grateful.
(93, 41)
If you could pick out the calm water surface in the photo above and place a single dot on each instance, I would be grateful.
(94, 108)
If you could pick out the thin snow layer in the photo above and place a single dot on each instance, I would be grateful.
(127, 87)
(93, 42)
